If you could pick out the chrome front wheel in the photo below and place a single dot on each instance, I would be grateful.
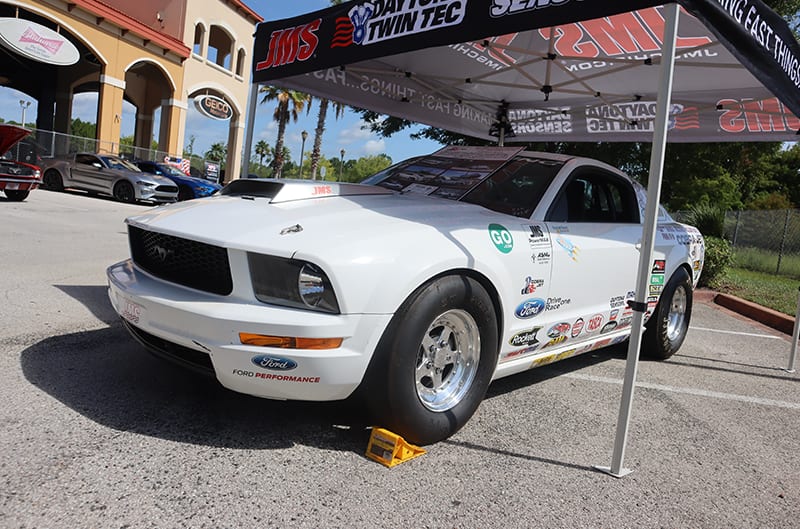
(448, 360)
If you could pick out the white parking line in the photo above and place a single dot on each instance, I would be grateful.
(737, 333)
(692, 391)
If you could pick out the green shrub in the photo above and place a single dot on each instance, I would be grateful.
(718, 258)
(710, 220)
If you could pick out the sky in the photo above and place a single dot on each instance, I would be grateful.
(346, 133)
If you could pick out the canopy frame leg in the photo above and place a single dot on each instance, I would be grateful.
(666, 73)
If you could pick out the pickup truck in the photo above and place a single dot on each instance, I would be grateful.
(106, 174)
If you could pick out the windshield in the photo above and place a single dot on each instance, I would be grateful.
(172, 171)
(513, 187)
(118, 163)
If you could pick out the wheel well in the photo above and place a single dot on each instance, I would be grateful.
(490, 289)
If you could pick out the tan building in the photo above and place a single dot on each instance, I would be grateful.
(154, 54)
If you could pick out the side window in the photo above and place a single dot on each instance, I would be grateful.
(595, 196)
(517, 188)
(86, 159)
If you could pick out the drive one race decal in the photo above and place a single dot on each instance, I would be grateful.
(379, 20)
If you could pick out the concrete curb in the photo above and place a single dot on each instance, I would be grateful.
(769, 317)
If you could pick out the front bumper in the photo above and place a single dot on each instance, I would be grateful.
(157, 194)
(18, 184)
(201, 331)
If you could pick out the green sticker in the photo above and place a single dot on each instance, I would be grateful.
(657, 280)
(501, 238)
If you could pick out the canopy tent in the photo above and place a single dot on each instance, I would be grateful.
(544, 70)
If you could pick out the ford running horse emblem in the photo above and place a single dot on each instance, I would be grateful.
(162, 253)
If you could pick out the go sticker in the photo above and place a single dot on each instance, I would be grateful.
(501, 238)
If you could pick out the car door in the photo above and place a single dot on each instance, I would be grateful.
(596, 231)
(84, 172)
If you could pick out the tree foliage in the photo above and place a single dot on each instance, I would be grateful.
(729, 175)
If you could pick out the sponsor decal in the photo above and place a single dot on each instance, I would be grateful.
(520, 352)
(538, 237)
(657, 279)
(659, 266)
(525, 338)
(501, 8)
(577, 327)
(275, 376)
(555, 341)
(541, 120)
(764, 116)
(542, 258)
(624, 321)
(697, 265)
(531, 285)
(559, 329)
(529, 308)
(274, 363)
(608, 327)
(601, 343)
(289, 45)
(560, 228)
(501, 238)
(616, 301)
(638, 116)
(322, 190)
(571, 249)
(555, 357)
(594, 323)
(655, 290)
(614, 314)
(556, 303)
(380, 20)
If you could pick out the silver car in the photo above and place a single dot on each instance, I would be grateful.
(107, 174)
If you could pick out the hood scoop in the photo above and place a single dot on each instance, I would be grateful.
(278, 191)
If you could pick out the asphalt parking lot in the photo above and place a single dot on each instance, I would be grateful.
(98, 434)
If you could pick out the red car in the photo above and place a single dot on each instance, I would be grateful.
(17, 179)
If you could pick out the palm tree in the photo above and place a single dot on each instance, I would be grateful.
(321, 117)
(290, 104)
(262, 149)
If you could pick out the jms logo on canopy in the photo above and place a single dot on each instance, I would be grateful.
(291, 44)
(636, 34)
(754, 116)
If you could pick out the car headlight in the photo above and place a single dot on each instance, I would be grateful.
(145, 183)
(291, 283)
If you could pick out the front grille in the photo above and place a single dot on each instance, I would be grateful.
(177, 354)
(167, 189)
(188, 263)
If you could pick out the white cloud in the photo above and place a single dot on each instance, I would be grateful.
(355, 133)
(373, 147)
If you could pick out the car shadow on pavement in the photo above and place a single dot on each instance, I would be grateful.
(94, 298)
(110, 379)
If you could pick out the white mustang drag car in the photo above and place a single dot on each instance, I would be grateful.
(419, 286)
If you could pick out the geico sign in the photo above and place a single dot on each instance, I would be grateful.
(213, 107)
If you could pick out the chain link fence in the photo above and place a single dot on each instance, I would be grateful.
(767, 241)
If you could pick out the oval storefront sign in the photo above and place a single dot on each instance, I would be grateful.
(213, 107)
(37, 42)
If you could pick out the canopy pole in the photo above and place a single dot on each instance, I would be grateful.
(795, 336)
(648, 237)
(250, 120)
